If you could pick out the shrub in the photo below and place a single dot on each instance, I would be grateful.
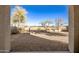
(14, 30)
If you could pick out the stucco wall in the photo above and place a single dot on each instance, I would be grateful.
(74, 28)
(4, 29)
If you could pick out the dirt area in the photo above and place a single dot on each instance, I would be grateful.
(39, 42)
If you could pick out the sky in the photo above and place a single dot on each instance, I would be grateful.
(39, 13)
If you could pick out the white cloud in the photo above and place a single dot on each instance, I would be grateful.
(19, 8)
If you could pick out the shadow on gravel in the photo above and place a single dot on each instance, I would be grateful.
(30, 43)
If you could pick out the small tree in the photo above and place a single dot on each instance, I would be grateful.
(19, 15)
(59, 23)
(46, 23)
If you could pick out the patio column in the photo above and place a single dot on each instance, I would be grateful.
(74, 28)
(4, 28)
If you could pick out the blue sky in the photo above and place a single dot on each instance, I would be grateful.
(38, 13)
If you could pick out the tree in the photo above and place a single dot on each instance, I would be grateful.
(14, 20)
(19, 15)
(46, 23)
(59, 23)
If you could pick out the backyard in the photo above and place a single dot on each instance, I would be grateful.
(39, 42)
(39, 28)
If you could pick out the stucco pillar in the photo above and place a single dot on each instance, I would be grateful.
(4, 28)
(74, 28)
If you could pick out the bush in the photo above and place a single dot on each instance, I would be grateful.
(14, 30)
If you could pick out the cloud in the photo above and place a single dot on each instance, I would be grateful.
(13, 10)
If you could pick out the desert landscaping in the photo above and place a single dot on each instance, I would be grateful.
(39, 42)
(40, 35)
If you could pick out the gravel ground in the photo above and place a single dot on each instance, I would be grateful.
(39, 42)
